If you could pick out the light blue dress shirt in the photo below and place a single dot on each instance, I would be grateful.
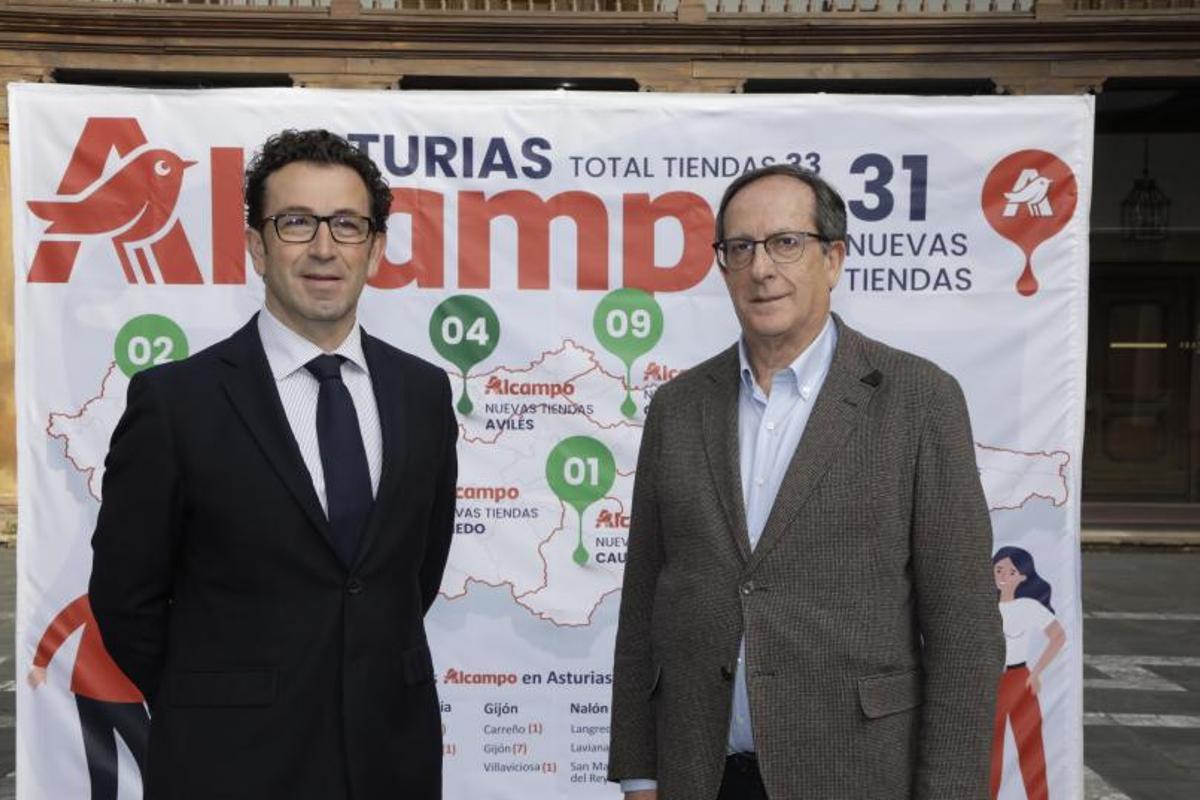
(769, 429)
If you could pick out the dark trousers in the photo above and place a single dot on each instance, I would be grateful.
(101, 723)
(742, 780)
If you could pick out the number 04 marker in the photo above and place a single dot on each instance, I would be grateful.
(464, 330)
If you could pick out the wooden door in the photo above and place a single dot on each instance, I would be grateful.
(1142, 423)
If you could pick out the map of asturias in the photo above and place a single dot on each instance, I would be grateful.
(512, 529)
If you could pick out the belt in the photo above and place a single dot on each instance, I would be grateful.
(1015, 666)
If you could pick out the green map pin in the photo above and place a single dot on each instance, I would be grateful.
(464, 330)
(580, 470)
(628, 322)
(147, 340)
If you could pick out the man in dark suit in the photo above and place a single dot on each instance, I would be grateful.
(277, 514)
(807, 609)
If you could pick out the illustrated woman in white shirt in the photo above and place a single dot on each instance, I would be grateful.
(1024, 607)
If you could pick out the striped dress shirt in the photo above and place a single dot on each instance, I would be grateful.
(287, 353)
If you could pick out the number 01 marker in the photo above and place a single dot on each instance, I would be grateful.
(580, 471)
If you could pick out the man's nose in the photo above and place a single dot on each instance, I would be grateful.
(322, 243)
(761, 263)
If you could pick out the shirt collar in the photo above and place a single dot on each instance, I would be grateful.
(288, 351)
(808, 370)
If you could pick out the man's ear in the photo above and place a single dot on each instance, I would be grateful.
(257, 248)
(834, 256)
(375, 257)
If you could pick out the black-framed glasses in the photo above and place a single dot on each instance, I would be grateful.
(783, 248)
(302, 228)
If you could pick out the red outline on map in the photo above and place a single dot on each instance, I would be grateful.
(89, 472)
(537, 362)
(546, 571)
(517, 598)
(1062, 469)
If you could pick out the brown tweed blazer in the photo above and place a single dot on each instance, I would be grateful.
(873, 639)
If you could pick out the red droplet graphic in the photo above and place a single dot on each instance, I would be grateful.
(1028, 197)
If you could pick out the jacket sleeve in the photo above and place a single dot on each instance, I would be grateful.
(963, 650)
(136, 537)
(441, 522)
(633, 747)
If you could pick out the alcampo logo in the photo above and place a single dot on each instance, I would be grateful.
(134, 206)
(144, 199)
(479, 678)
(1028, 197)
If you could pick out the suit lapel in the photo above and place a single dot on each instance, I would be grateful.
(848, 389)
(391, 398)
(251, 390)
(720, 427)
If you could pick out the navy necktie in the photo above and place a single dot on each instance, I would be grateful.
(343, 458)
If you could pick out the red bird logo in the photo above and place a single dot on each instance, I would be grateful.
(132, 205)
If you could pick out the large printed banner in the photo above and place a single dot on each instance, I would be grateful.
(552, 252)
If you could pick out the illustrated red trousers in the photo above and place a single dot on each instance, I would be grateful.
(1015, 703)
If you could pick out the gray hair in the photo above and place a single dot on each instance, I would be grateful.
(830, 208)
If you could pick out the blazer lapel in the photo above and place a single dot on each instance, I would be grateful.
(391, 398)
(251, 390)
(720, 430)
(848, 389)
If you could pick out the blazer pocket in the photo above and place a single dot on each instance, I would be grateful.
(416, 665)
(655, 682)
(890, 693)
(251, 688)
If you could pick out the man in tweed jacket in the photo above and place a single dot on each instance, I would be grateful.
(808, 610)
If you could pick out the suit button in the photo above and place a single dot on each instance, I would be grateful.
(354, 586)
(726, 672)
(748, 588)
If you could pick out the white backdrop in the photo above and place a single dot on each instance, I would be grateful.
(538, 207)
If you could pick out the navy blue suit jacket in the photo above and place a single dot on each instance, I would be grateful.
(272, 668)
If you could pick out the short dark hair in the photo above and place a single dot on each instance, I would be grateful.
(830, 209)
(317, 146)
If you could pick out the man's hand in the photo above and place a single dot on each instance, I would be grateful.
(644, 794)
(36, 677)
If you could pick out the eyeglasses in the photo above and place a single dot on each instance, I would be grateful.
(783, 248)
(302, 228)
